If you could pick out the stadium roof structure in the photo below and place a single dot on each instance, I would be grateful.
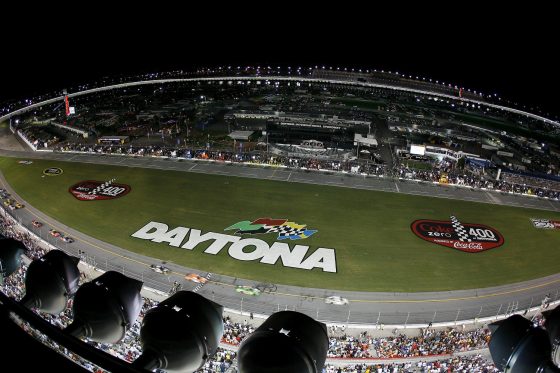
(365, 141)
(112, 138)
(241, 135)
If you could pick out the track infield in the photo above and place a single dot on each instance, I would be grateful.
(376, 249)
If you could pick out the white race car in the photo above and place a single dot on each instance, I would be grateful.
(159, 269)
(335, 299)
(67, 239)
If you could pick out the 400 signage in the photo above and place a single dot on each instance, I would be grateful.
(467, 237)
(247, 249)
(93, 190)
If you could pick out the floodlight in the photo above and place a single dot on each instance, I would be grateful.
(303, 343)
(518, 347)
(50, 281)
(180, 333)
(106, 307)
(10, 256)
(552, 325)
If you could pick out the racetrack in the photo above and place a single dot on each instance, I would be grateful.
(366, 233)
(364, 307)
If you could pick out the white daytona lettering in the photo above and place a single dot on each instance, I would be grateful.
(241, 249)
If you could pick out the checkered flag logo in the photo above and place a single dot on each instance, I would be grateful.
(102, 186)
(462, 236)
(96, 190)
(460, 230)
(285, 229)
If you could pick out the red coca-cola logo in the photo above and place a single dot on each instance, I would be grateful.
(92, 190)
(467, 237)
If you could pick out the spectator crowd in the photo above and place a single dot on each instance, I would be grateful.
(437, 172)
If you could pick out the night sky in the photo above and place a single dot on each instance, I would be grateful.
(508, 53)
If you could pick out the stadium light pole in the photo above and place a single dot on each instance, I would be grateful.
(266, 134)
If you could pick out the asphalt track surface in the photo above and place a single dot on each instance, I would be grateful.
(364, 307)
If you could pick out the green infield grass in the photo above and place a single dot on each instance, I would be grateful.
(370, 231)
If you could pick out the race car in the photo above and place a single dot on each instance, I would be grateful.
(54, 233)
(159, 269)
(36, 224)
(67, 239)
(335, 299)
(7, 202)
(19, 205)
(196, 278)
(248, 290)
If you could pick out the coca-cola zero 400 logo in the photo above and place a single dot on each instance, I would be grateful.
(91, 190)
(470, 238)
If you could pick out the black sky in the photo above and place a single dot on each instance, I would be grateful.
(509, 51)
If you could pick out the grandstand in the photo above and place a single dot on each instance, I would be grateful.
(288, 150)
